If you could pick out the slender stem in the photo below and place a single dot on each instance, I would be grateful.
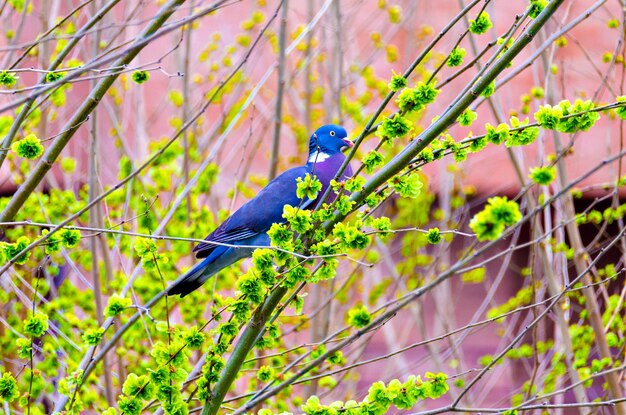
(338, 61)
(94, 214)
(547, 262)
(280, 89)
(186, 114)
(591, 302)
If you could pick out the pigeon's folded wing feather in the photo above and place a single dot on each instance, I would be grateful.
(258, 215)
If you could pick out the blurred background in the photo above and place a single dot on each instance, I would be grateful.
(338, 59)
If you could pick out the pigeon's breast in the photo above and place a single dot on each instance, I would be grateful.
(327, 169)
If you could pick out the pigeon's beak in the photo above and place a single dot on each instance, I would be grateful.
(349, 143)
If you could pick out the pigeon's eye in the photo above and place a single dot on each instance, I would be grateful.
(332, 133)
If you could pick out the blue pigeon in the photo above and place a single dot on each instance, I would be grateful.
(248, 226)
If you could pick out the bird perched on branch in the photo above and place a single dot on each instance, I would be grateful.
(248, 226)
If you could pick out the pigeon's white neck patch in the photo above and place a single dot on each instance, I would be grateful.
(318, 156)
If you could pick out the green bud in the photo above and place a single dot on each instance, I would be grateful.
(467, 117)
(29, 147)
(70, 238)
(93, 337)
(481, 24)
(456, 57)
(309, 187)
(117, 305)
(542, 176)
(433, 236)
(138, 387)
(8, 387)
(408, 185)
(36, 325)
(397, 82)
(140, 77)
(54, 76)
(7, 78)
(359, 317)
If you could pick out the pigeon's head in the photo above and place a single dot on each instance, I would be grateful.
(328, 140)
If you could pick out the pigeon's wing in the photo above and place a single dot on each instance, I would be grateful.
(258, 214)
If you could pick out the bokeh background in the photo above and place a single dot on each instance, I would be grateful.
(339, 58)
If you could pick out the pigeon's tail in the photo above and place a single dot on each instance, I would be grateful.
(220, 258)
(191, 280)
(197, 275)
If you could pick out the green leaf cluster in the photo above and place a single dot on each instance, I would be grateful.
(520, 134)
(8, 387)
(380, 397)
(54, 76)
(359, 317)
(355, 184)
(497, 135)
(117, 305)
(93, 337)
(138, 387)
(395, 127)
(522, 298)
(12, 251)
(456, 57)
(36, 325)
(499, 213)
(7, 78)
(53, 243)
(536, 7)
(139, 77)
(351, 236)
(543, 176)
(280, 236)
(300, 219)
(381, 224)
(481, 24)
(29, 147)
(567, 117)
(407, 185)
(371, 160)
(433, 236)
(474, 276)
(147, 250)
(69, 238)
(265, 373)
(489, 90)
(467, 117)
(415, 99)
(263, 261)
(309, 187)
(397, 82)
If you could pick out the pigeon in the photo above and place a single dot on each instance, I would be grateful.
(247, 227)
